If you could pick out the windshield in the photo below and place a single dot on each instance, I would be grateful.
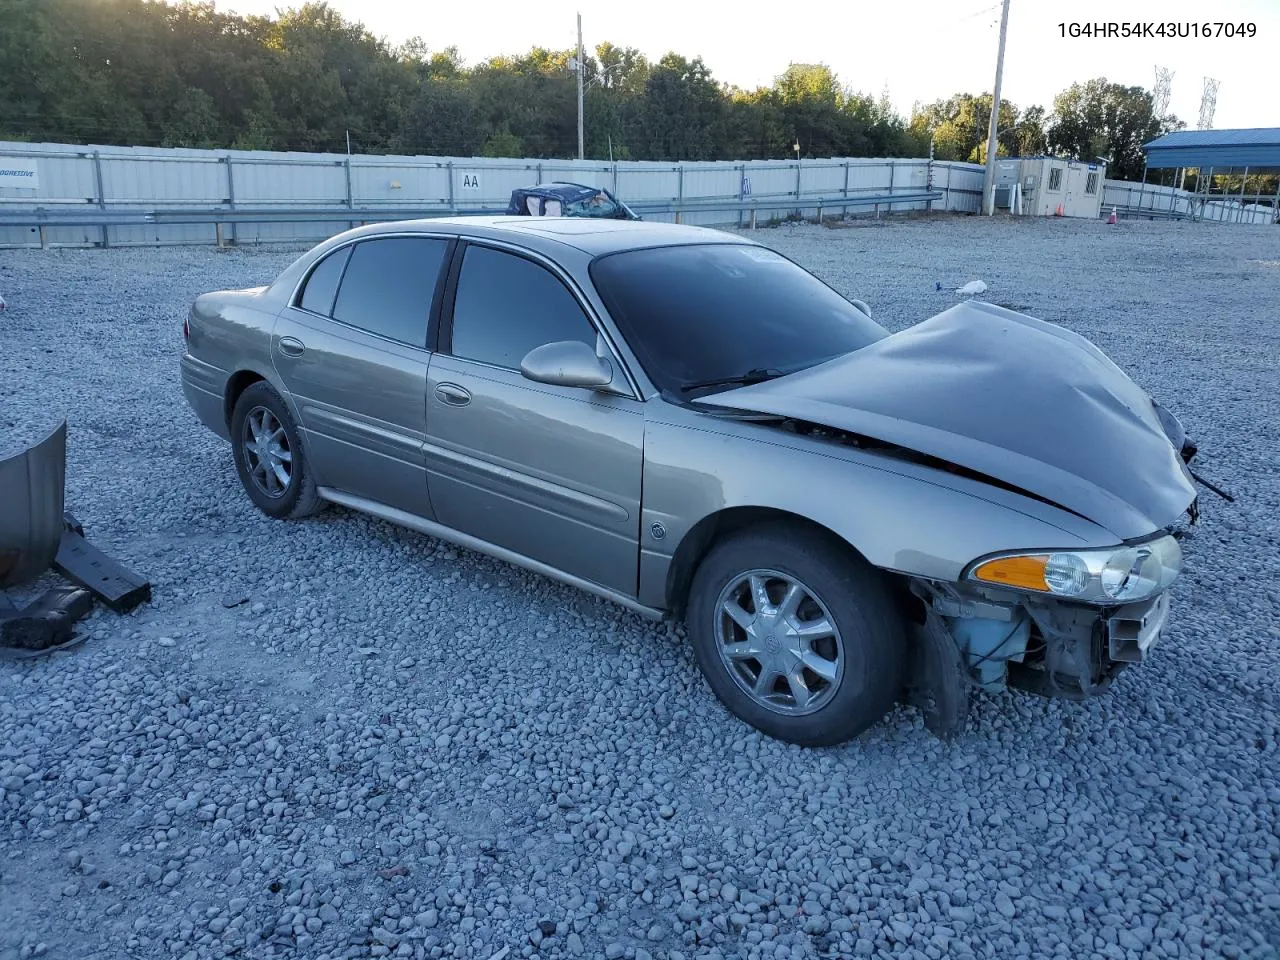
(710, 311)
(597, 205)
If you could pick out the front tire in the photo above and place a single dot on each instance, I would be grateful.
(796, 635)
(269, 457)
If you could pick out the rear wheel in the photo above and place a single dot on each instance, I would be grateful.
(269, 458)
(796, 635)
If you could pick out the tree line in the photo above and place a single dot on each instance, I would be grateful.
(150, 73)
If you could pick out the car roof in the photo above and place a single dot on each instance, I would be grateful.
(591, 236)
(557, 187)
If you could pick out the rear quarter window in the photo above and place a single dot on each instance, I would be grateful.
(322, 284)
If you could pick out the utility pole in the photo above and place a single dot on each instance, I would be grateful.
(989, 176)
(581, 155)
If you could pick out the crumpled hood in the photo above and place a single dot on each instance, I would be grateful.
(1004, 394)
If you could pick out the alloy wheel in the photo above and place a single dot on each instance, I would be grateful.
(779, 642)
(267, 453)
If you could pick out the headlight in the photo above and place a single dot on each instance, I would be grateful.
(1114, 575)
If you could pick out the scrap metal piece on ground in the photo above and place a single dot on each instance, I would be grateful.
(31, 488)
(36, 533)
(114, 584)
(45, 625)
(69, 522)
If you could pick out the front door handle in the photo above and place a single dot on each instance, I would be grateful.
(291, 346)
(453, 394)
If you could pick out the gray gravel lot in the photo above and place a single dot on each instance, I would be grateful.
(396, 748)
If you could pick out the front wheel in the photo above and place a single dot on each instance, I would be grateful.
(796, 635)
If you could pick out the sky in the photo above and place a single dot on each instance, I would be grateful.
(920, 50)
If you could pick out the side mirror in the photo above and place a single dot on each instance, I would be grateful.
(566, 363)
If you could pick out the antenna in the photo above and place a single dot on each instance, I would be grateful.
(1208, 103)
(1163, 89)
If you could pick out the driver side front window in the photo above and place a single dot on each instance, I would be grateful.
(506, 305)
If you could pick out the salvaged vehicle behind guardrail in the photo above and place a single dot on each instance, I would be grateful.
(561, 199)
(686, 422)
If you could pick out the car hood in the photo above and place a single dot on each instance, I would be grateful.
(1003, 394)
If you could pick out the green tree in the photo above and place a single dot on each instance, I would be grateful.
(533, 97)
(1029, 132)
(959, 127)
(504, 143)
(183, 73)
(683, 110)
(441, 120)
(1108, 120)
(811, 105)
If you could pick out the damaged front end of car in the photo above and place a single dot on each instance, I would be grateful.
(1054, 623)
(984, 397)
(976, 635)
(1057, 623)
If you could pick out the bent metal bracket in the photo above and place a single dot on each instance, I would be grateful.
(38, 534)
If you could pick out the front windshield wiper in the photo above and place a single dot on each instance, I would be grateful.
(758, 375)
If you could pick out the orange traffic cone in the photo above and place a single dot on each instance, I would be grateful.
(1112, 218)
(1058, 212)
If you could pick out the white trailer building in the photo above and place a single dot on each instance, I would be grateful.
(1038, 186)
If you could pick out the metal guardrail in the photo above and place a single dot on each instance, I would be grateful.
(1134, 212)
(1153, 213)
(66, 215)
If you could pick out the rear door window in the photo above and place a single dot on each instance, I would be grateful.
(388, 287)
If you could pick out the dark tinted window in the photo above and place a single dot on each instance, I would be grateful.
(388, 286)
(720, 310)
(317, 294)
(507, 305)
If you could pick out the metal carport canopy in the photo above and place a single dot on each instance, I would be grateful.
(1256, 147)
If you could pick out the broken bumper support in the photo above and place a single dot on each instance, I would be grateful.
(1054, 649)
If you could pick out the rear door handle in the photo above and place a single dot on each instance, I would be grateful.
(291, 346)
(453, 394)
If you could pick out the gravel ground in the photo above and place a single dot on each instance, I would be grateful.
(392, 747)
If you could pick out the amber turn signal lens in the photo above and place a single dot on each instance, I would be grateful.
(1024, 572)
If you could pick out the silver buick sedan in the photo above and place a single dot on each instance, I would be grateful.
(688, 423)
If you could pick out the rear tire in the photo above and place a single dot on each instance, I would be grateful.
(269, 456)
(796, 635)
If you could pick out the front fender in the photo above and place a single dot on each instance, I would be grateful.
(901, 516)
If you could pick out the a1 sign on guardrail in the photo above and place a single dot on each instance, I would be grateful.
(20, 173)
